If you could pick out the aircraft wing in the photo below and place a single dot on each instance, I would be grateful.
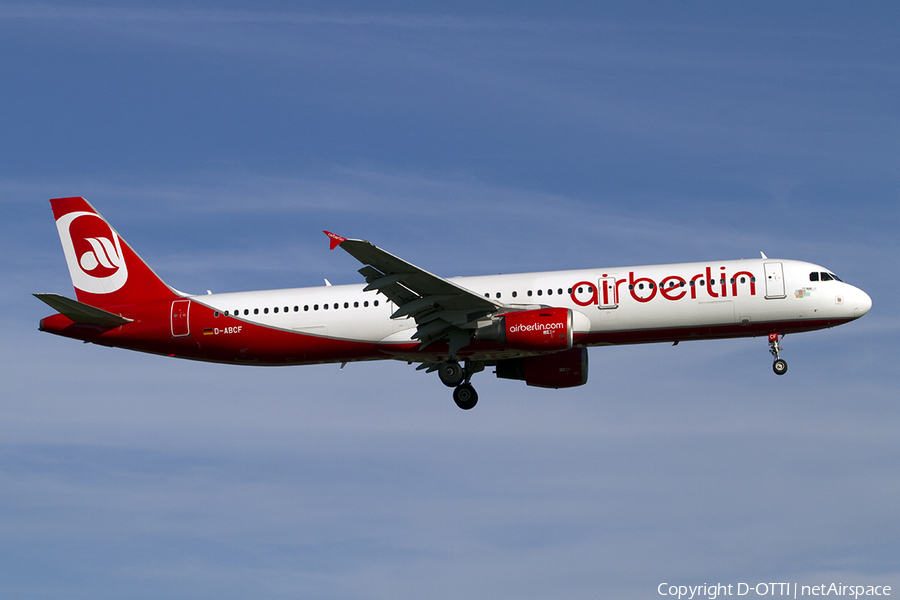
(441, 308)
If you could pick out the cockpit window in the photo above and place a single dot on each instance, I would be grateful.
(826, 277)
(814, 276)
(836, 278)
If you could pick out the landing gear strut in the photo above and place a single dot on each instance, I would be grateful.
(780, 365)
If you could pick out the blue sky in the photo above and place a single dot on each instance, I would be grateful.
(221, 139)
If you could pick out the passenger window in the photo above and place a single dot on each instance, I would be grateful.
(579, 290)
(265, 311)
(246, 311)
(375, 303)
(346, 305)
(274, 309)
(549, 292)
(315, 307)
(515, 294)
(356, 305)
(306, 307)
(365, 304)
(498, 294)
(540, 292)
(255, 311)
(559, 291)
(529, 292)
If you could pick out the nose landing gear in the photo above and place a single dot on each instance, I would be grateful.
(780, 365)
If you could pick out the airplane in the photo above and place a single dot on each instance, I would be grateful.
(534, 327)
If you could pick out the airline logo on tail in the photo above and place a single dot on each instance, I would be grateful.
(93, 253)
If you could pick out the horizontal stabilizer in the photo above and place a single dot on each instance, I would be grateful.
(80, 312)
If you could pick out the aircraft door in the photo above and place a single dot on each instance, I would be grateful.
(179, 319)
(774, 280)
(609, 296)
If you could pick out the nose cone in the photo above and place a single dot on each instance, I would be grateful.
(861, 303)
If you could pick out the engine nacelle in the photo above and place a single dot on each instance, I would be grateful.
(543, 329)
(559, 370)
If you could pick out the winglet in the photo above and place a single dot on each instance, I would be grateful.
(335, 239)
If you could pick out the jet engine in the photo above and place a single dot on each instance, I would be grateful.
(542, 329)
(559, 370)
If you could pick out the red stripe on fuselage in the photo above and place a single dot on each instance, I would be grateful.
(237, 341)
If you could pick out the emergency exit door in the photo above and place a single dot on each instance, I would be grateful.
(609, 295)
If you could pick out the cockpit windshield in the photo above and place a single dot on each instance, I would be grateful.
(824, 276)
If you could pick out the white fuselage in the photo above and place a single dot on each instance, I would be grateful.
(676, 301)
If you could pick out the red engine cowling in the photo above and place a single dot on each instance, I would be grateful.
(559, 370)
(543, 329)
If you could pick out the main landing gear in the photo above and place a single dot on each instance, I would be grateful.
(453, 375)
(465, 396)
(780, 365)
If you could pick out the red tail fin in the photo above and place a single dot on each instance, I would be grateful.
(105, 270)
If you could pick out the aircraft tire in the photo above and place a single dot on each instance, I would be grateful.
(451, 373)
(465, 396)
(780, 366)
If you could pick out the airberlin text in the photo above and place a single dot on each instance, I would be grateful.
(546, 327)
(671, 287)
(793, 590)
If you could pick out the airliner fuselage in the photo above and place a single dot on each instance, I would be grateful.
(530, 326)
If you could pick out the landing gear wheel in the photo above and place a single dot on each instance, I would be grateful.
(451, 373)
(465, 396)
(780, 365)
